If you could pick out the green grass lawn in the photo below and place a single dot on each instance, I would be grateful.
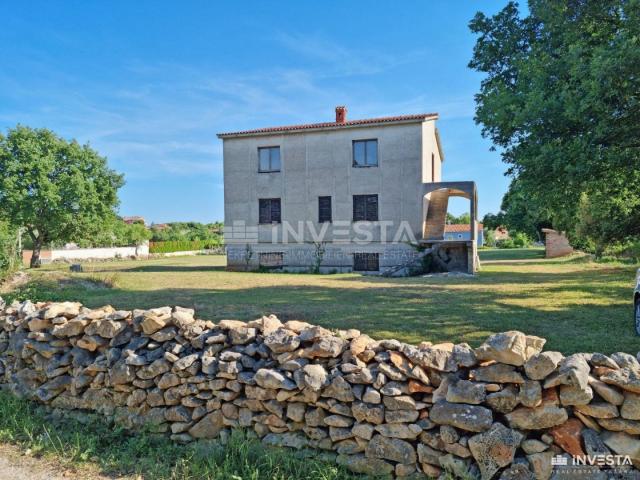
(577, 304)
(495, 254)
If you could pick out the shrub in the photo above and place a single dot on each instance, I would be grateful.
(629, 249)
(489, 238)
(182, 245)
(633, 250)
(8, 250)
(318, 256)
(517, 240)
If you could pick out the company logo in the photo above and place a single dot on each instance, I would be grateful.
(559, 460)
(602, 460)
(572, 464)
(338, 231)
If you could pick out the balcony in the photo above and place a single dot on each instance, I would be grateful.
(455, 255)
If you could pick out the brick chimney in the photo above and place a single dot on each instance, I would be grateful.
(341, 114)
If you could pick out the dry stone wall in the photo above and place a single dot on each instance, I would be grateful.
(505, 410)
(556, 244)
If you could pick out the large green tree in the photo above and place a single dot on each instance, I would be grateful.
(463, 218)
(56, 190)
(561, 100)
(521, 211)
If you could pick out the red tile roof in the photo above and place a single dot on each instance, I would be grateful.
(133, 219)
(332, 125)
(460, 227)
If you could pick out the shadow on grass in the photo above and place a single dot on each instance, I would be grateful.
(589, 281)
(165, 268)
(575, 311)
(574, 260)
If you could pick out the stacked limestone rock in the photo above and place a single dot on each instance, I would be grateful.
(384, 407)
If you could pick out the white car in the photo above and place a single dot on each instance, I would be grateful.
(636, 302)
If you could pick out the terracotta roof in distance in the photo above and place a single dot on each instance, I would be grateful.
(460, 227)
(333, 125)
(133, 219)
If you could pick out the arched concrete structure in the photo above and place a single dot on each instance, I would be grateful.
(435, 203)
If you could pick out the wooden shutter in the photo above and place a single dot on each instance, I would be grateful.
(275, 210)
(269, 210)
(365, 207)
(359, 208)
(372, 208)
(324, 209)
(265, 211)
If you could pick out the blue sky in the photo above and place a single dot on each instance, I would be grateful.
(150, 83)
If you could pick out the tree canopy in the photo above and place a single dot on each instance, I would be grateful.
(186, 231)
(57, 190)
(117, 233)
(520, 211)
(464, 218)
(561, 101)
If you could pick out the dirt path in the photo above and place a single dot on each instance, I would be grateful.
(14, 465)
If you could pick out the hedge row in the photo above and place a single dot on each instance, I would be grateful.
(182, 245)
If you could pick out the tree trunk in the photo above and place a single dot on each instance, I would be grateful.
(35, 257)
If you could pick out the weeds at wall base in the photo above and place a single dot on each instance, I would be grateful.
(90, 439)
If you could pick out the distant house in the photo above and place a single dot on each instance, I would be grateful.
(462, 231)
(134, 219)
(501, 233)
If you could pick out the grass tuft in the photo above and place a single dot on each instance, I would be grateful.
(93, 441)
(104, 280)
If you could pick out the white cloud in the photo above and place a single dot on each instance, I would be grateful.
(343, 61)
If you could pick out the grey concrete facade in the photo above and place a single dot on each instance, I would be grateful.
(316, 162)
